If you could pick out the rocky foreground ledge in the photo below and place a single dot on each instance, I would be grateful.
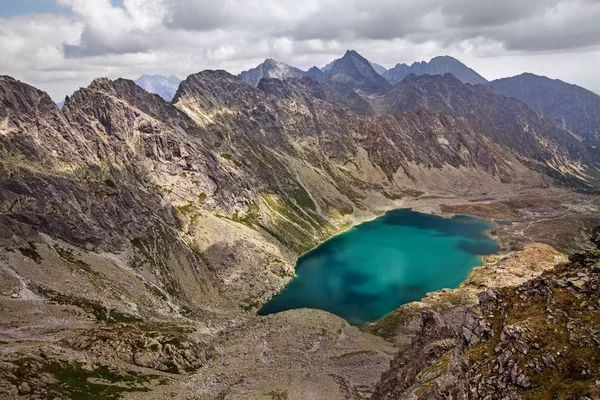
(536, 340)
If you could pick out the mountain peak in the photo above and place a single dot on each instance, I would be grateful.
(315, 71)
(356, 71)
(354, 55)
(270, 68)
(444, 57)
(99, 82)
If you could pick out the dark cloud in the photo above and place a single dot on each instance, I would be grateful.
(202, 15)
(528, 25)
(566, 26)
(94, 43)
(486, 14)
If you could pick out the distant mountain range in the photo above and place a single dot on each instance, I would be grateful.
(570, 107)
(161, 85)
(437, 66)
(503, 119)
(352, 70)
(353, 82)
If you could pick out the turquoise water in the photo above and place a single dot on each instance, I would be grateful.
(367, 272)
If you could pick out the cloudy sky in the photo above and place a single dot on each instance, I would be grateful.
(60, 45)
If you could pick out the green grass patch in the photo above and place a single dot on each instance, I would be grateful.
(101, 312)
(31, 252)
(275, 395)
(76, 383)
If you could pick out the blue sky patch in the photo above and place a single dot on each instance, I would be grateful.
(12, 8)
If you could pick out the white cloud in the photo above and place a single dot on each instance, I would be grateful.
(60, 52)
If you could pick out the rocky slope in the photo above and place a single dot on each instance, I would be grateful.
(356, 71)
(569, 106)
(270, 69)
(536, 340)
(436, 66)
(505, 120)
(161, 85)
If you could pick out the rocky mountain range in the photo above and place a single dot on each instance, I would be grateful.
(570, 107)
(436, 66)
(505, 120)
(161, 85)
(139, 236)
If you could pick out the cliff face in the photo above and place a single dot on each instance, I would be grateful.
(535, 340)
(569, 106)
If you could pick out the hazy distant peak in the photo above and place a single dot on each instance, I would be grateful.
(380, 69)
(314, 71)
(270, 69)
(159, 84)
(354, 56)
(436, 66)
(156, 76)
